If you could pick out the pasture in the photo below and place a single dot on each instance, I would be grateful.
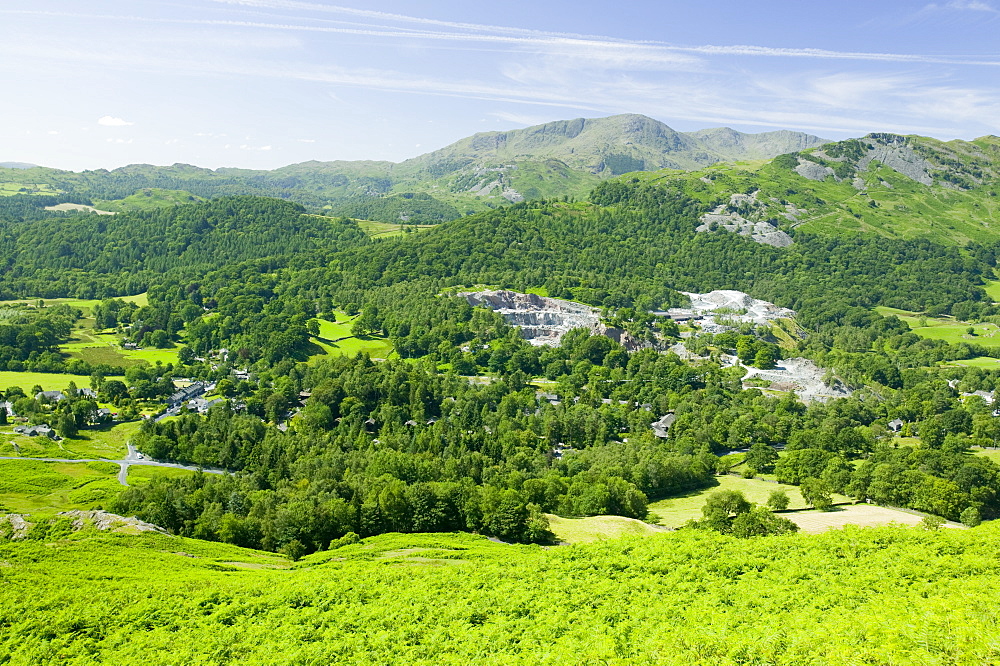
(862, 515)
(677, 510)
(948, 329)
(335, 339)
(595, 528)
(45, 488)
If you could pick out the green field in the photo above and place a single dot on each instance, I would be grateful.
(49, 381)
(992, 288)
(10, 189)
(948, 329)
(675, 511)
(335, 339)
(387, 230)
(105, 442)
(595, 528)
(987, 362)
(40, 488)
(140, 474)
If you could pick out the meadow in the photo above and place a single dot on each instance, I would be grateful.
(44, 488)
(948, 329)
(677, 510)
(335, 339)
(595, 528)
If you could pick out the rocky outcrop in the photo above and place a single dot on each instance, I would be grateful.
(17, 526)
(813, 171)
(901, 158)
(541, 320)
(713, 312)
(105, 521)
(732, 218)
(800, 375)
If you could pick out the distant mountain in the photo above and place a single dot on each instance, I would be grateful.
(613, 145)
(557, 159)
(16, 165)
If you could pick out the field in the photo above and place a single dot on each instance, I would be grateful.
(44, 488)
(387, 230)
(675, 511)
(140, 474)
(335, 339)
(10, 189)
(862, 515)
(105, 442)
(49, 381)
(595, 528)
(948, 329)
(992, 288)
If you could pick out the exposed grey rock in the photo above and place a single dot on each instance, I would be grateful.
(802, 376)
(105, 521)
(901, 158)
(541, 320)
(763, 232)
(813, 171)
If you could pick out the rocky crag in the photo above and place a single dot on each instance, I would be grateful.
(543, 321)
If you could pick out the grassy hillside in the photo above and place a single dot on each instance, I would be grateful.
(877, 596)
(885, 184)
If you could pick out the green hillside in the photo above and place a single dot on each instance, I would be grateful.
(893, 186)
(876, 596)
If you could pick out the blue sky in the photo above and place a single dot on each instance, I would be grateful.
(264, 83)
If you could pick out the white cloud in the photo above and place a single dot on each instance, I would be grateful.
(971, 5)
(112, 121)
(519, 118)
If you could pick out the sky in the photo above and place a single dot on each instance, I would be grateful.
(265, 83)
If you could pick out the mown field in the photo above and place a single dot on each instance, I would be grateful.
(947, 328)
(335, 339)
(595, 528)
(874, 596)
(675, 511)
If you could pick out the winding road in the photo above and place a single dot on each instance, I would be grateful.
(133, 457)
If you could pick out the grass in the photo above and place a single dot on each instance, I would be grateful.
(992, 289)
(948, 329)
(49, 381)
(43, 488)
(335, 339)
(10, 189)
(675, 511)
(595, 528)
(140, 474)
(105, 442)
(387, 230)
(977, 362)
(992, 454)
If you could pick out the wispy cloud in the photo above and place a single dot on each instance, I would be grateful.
(112, 121)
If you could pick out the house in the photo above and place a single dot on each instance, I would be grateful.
(51, 396)
(86, 393)
(187, 393)
(896, 425)
(201, 405)
(130, 346)
(35, 431)
(661, 426)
